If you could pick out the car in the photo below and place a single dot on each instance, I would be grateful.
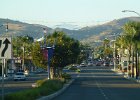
(106, 64)
(98, 63)
(26, 72)
(90, 63)
(111, 64)
(83, 65)
(19, 76)
(11, 72)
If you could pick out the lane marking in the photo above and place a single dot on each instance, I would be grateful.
(101, 91)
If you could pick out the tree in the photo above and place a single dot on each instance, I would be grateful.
(66, 52)
(132, 34)
(107, 51)
(37, 56)
(83, 53)
(22, 47)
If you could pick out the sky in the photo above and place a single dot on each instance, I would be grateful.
(78, 13)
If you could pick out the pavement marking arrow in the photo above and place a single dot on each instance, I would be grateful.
(6, 42)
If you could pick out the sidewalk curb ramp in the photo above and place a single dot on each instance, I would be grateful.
(51, 96)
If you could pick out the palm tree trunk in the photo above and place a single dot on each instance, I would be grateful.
(133, 63)
(136, 55)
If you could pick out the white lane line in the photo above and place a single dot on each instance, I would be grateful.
(102, 91)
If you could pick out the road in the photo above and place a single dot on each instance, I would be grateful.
(100, 83)
(11, 86)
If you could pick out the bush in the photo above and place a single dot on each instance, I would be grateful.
(72, 67)
(78, 70)
(40, 82)
(66, 76)
(31, 94)
(46, 87)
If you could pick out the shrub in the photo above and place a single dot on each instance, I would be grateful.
(78, 70)
(46, 87)
(66, 76)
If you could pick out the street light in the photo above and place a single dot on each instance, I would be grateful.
(131, 11)
(47, 51)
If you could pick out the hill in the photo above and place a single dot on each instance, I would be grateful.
(17, 28)
(86, 34)
(100, 32)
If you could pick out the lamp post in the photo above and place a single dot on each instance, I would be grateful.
(114, 49)
(132, 12)
(137, 56)
(23, 62)
(47, 52)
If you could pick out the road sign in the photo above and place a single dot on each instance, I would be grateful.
(5, 47)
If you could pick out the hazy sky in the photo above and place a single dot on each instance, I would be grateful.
(77, 12)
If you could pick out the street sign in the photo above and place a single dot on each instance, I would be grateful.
(5, 48)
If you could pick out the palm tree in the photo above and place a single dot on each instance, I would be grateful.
(131, 31)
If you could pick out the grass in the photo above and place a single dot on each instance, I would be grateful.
(45, 88)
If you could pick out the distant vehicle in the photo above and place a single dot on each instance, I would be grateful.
(98, 63)
(11, 71)
(111, 63)
(90, 63)
(124, 66)
(19, 76)
(106, 64)
(26, 72)
(83, 65)
(40, 70)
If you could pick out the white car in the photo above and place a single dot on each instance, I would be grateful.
(19, 76)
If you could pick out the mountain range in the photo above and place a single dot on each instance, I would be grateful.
(87, 34)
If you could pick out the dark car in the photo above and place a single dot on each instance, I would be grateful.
(106, 64)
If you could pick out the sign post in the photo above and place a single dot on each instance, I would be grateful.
(5, 53)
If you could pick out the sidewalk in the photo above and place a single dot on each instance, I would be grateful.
(4, 78)
(7, 77)
(124, 74)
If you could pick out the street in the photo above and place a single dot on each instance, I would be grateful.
(100, 83)
(11, 86)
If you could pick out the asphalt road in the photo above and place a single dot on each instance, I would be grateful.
(100, 83)
(11, 86)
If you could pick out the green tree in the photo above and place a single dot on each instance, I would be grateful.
(107, 51)
(22, 47)
(66, 52)
(131, 32)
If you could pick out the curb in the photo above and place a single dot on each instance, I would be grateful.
(51, 96)
(126, 77)
(132, 79)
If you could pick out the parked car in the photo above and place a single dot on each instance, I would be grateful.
(19, 76)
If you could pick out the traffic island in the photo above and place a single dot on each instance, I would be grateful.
(51, 96)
